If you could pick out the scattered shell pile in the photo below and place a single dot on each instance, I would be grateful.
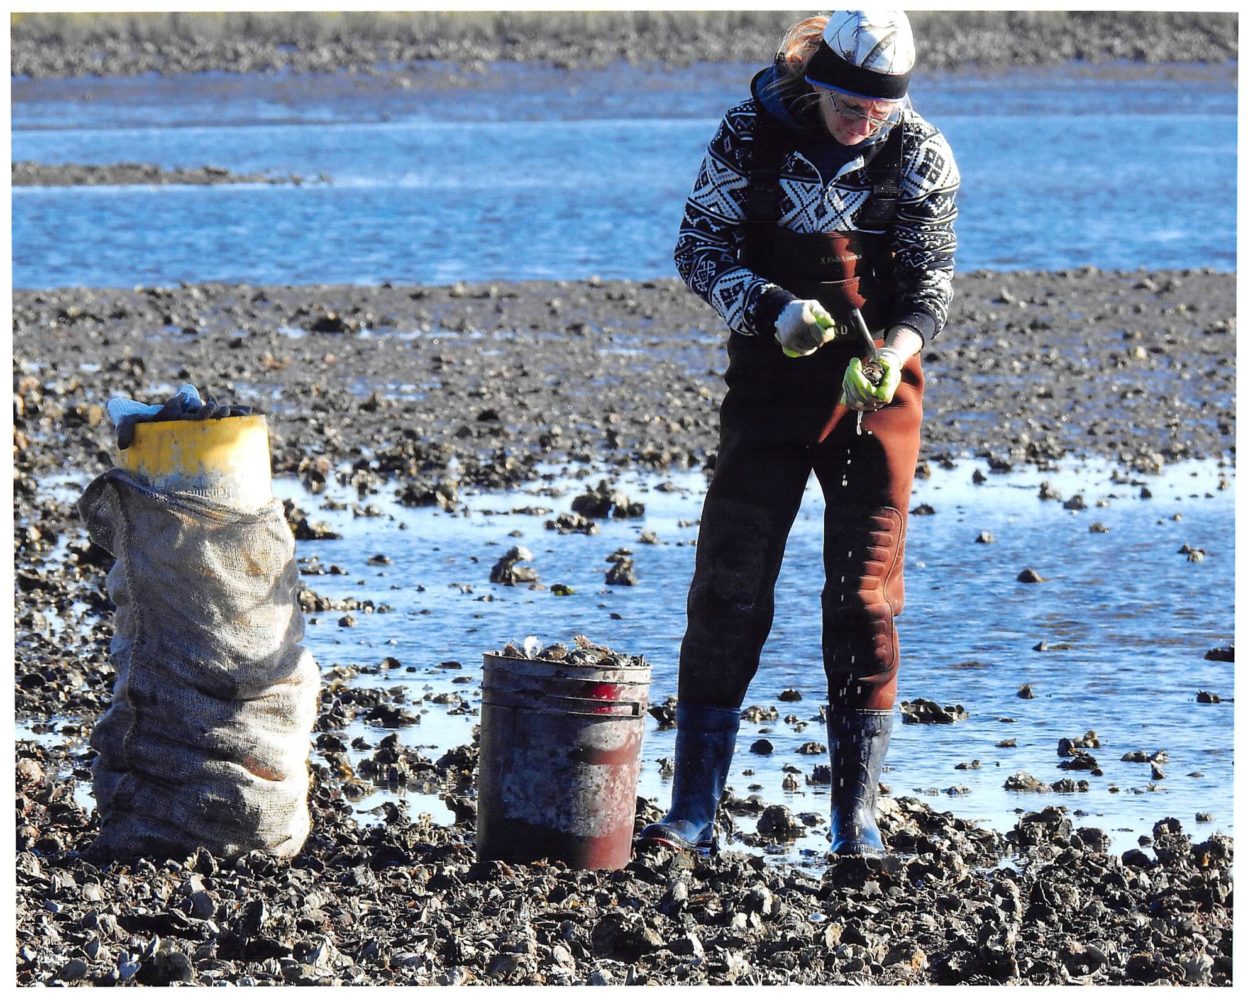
(582, 652)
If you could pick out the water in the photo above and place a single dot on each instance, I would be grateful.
(521, 172)
(1127, 619)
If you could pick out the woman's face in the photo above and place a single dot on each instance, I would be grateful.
(852, 120)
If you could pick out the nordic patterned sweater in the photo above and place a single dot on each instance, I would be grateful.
(822, 189)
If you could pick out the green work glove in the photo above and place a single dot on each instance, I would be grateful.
(804, 326)
(861, 391)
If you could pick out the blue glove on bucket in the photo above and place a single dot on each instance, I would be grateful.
(185, 404)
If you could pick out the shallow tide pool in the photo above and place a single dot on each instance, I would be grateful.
(1113, 640)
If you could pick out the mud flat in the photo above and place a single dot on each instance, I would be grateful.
(28, 174)
(430, 393)
(1138, 368)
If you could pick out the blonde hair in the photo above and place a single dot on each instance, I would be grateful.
(798, 46)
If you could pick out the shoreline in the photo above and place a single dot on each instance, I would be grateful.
(68, 45)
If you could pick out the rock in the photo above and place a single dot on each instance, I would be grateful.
(73, 970)
(1030, 576)
(621, 573)
(203, 904)
(1197, 968)
(688, 946)
(1091, 838)
(906, 953)
(778, 823)
(762, 746)
(1021, 781)
(923, 711)
(318, 952)
(506, 570)
(1142, 757)
(664, 714)
(624, 936)
(28, 772)
(603, 501)
(1080, 760)
(757, 713)
(1069, 747)
(572, 523)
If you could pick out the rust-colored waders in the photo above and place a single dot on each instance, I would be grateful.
(780, 420)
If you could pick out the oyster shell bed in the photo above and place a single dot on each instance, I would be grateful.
(404, 901)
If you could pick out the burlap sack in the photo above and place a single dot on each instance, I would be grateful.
(206, 740)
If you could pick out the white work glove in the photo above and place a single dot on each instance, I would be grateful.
(871, 386)
(804, 326)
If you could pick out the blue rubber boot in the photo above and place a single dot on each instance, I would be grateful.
(705, 739)
(857, 743)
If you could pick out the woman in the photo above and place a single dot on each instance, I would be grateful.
(824, 205)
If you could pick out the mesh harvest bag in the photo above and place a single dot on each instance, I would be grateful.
(206, 740)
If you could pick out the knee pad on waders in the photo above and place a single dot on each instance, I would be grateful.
(864, 553)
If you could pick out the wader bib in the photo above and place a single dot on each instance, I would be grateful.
(780, 420)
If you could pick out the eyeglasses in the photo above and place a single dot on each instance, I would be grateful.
(875, 115)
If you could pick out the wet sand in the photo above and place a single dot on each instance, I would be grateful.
(422, 392)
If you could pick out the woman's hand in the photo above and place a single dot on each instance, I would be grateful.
(804, 326)
(866, 389)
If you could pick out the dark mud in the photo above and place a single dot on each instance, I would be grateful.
(28, 174)
(57, 45)
(425, 393)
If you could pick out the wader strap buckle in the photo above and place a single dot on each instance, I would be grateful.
(762, 207)
(884, 174)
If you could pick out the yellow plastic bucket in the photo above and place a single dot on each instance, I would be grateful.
(225, 460)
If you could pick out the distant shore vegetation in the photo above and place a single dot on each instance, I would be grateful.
(79, 43)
